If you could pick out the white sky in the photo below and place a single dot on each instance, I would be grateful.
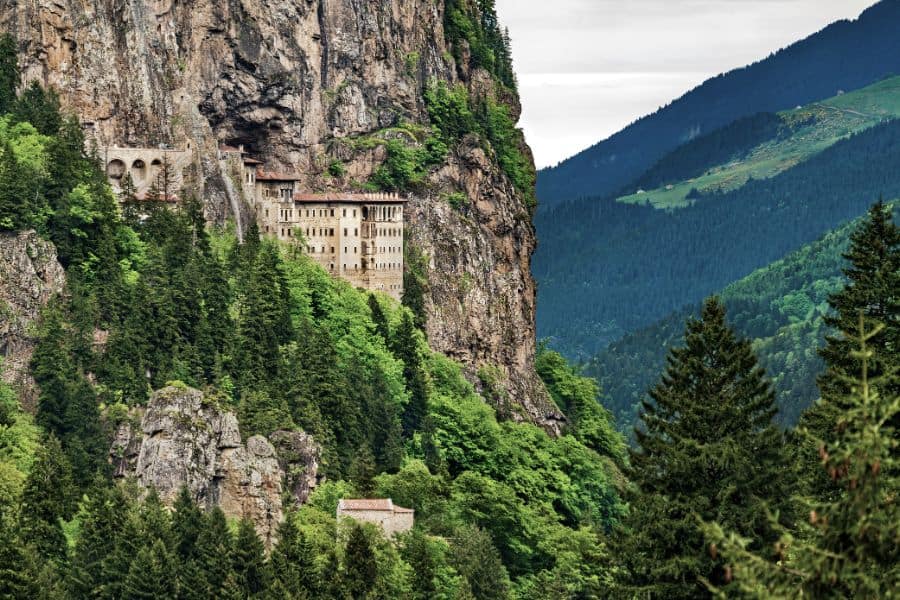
(588, 68)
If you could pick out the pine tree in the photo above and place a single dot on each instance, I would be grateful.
(39, 107)
(187, 524)
(260, 414)
(850, 549)
(46, 500)
(708, 449)
(292, 561)
(103, 520)
(379, 319)
(873, 283)
(405, 346)
(152, 574)
(360, 568)
(9, 72)
(14, 579)
(248, 560)
(52, 368)
(214, 548)
(478, 560)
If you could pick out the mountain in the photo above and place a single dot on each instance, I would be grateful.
(846, 55)
(331, 92)
(607, 268)
(779, 307)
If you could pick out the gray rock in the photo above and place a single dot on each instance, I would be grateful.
(187, 441)
(30, 275)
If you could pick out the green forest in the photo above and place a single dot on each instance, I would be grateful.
(763, 461)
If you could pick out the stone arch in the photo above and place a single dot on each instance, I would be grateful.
(115, 169)
(139, 171)
(155, 167)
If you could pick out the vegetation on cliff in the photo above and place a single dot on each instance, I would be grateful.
(501, 506)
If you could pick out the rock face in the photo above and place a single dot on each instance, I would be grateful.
(29, 276)
(187, 440)
(296, 82)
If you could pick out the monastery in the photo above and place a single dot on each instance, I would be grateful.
(357, 237)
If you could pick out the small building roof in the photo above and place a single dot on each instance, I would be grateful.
(382, 197)
(252, 161)
(371, 504)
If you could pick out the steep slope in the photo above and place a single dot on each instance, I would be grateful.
(779, 307)
(306, 85)
(626, 266)
(762, 146)
(846, 55)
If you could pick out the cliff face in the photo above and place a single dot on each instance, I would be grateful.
(299, 83)
(29, 276)
(186, 440)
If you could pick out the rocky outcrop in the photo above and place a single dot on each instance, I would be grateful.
(30, 275)
(185, 439)
(298, 83)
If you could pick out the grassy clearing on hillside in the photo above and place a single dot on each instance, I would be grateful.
(819, 126)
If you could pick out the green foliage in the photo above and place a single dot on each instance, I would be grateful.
(708, 449)
(9, 72)
(475, 23)
(579, 398)
(47, 499)
(849, 549)
(337, 169)
(415, 282)
(449, 111)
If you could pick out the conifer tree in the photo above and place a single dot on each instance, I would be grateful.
(261, 414)
(708, 449)
(379, 319)
(39, 107)
(152, 575)
(292, 561)
(103, 520)
(214, 548)
(14, 577)
(9, 72)
(850, 548)
(406, 347)
(47, 499)
(478, 560)
(873, 288)
(187, 524)
(248, 560)
(360, 568)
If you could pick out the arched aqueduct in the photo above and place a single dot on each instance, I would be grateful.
(144, 165)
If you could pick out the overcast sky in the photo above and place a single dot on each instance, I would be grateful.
(587, 68)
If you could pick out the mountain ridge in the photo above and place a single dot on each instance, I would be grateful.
(847, 54)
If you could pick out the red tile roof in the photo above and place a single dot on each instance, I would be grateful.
(374, 504)
(384, 197)
(366, 504)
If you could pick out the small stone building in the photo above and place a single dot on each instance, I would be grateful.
(380, 511)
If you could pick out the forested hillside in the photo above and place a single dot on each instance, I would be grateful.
(156, 298)
(762, 146)
(846, 55)
(624, 267)
(779, 307)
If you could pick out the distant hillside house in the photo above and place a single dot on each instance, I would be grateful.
(380, 511)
